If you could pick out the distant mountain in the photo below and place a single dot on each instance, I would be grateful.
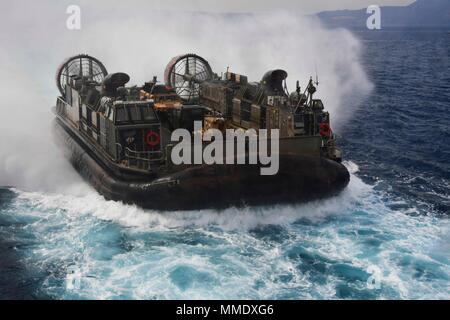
(422, 13)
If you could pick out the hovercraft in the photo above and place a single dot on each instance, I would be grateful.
(121, 138)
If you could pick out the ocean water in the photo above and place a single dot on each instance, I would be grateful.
(387, 236)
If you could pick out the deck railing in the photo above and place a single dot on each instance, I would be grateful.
(141, 159)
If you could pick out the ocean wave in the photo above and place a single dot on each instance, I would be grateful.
(325, 249)
(229, 219)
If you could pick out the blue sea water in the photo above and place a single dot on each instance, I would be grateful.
(387, 236)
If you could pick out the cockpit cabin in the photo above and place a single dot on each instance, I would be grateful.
(123, 127)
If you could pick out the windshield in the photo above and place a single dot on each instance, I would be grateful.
(121, 115)
(148, 114)
(135, 113)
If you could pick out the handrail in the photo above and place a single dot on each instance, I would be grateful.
(142, 158)
(118, 151)
(61, 100)
(141, 155)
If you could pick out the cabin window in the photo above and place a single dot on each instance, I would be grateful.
(135, 113)
(148, 114)
(248, 95)
(245, 110)
(121, 115)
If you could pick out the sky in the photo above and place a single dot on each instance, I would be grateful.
(306, 6)
(44, 8)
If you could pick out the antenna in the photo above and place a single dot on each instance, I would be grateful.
(285, 87)
(317, 75)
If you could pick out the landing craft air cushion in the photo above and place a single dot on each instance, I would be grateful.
(119, 138)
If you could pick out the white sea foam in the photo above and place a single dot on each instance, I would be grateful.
(230, 219)
(303, 251)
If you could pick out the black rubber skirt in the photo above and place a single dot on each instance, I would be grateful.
(300, 178)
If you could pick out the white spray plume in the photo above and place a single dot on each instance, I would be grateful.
(137, 40)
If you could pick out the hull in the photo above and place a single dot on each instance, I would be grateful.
(300, 178)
